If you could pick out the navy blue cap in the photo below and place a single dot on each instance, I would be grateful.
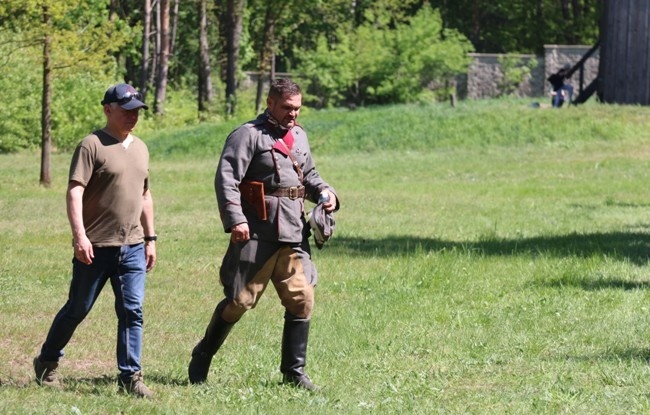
(125, 96)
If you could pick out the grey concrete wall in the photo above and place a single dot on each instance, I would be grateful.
(484, 76)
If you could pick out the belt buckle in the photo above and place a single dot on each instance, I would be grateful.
(293, 192)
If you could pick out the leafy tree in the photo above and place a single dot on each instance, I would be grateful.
(424, 53)
(329, 72)
(18, 125)
(73, 37)
(311, 20)
(384, 13)
(385, 62)
(343, 52)
(502, 26)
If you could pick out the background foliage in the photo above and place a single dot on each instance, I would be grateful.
(522, 26)
(515, 71)
(345, 53)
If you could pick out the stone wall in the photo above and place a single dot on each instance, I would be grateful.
(484, 76)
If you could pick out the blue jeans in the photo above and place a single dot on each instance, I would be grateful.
(558, 98)
(125, 266)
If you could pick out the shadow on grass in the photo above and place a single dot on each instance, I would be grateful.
(600, 284)
(90, 386)
(630, 354)
(169, 380)
(624, 246)
(97, 380)
(93, 385)
(68, 383)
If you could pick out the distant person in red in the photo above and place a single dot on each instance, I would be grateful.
(560, 88)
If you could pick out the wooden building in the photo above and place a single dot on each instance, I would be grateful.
(624, 72)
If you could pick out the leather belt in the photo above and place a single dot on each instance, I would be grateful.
(293, 192)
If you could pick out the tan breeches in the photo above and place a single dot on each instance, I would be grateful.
(291, 272)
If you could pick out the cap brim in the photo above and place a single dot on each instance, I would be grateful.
(134, 104)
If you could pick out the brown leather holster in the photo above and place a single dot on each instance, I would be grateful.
(253, 193)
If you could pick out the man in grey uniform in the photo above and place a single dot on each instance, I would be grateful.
(264, 174)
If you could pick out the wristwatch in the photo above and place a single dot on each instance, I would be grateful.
(151, 238)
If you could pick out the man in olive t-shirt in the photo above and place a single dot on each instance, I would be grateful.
(110, 209)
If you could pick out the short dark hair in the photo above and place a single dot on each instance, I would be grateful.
(283, 86)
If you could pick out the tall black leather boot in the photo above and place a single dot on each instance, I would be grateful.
(294, 352)
(214, 337)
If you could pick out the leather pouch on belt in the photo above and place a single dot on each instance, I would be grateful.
(253, 193)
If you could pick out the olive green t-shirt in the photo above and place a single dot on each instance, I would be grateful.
(115, 179)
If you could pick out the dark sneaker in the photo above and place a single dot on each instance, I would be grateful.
(46, 373)
(300, 381)
(135, 386)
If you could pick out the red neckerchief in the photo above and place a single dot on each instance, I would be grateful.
(284, 144)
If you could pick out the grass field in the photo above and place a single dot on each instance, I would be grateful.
(488, 259)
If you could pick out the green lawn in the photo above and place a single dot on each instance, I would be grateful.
(488, 259)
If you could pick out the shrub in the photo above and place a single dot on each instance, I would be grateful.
(515, 71)
(383, 64)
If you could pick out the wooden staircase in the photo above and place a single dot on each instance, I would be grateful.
(585, 93)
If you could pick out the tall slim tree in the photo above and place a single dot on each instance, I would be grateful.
(204, 72)
(163, 60)
(174, 27)
(273, 13)
(46, 106)
(231, 18)
(146, 45)
(155, 56)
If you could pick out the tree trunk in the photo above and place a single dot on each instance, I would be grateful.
(46, 106)
(576, 20)
(475, 36)
(564, 6)
(234, 17)
(267, 52)
(153, 70)
(174, 19)
(567, 29)
(146, 33)
(205, 73)
(112, 10)
(163, 60)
